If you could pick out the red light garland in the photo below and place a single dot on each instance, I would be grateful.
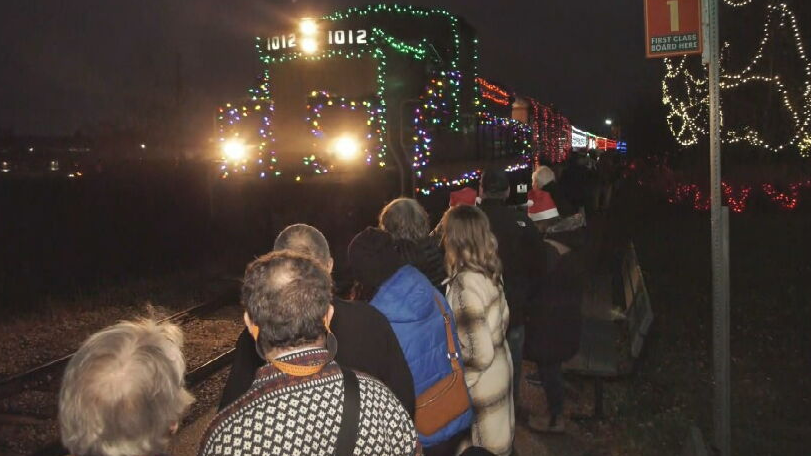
(549, 143)
(787, 202)
(683, 192)
(701, 200)
(737, 200)
(555, 141)
(536, 131)
(737, 205)
(493, 92)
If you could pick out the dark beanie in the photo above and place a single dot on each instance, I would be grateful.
(494, 180)
(373, 258)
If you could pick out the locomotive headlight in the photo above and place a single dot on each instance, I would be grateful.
(309, 30)
(309, 45)
(308, 26)
(234, 150)
(346, 148)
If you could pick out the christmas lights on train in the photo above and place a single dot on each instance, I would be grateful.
(392, 87)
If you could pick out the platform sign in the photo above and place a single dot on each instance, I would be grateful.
(673, 28)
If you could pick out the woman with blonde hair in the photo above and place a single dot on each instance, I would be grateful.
(476, 295)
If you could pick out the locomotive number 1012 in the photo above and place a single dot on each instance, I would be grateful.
(334, 37)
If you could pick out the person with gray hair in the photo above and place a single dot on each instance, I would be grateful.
(544, 179)
(542, 176)
(405, 218)
(541, 208)
(409, 226)
(122, 392)
(366, 339)
(302, 401)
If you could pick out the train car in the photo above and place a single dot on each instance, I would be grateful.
(385, 89)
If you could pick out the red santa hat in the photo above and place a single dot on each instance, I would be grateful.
(541, 206)
(466, 196)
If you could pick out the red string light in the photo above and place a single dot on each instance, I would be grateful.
(536, 131)
(737, 205)
(493, 92)
(737, 200)
(555, 141)
(787, 202)
(701, 201)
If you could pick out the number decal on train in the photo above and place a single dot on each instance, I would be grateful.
(346, 37)
(334, 37)
(282, 42)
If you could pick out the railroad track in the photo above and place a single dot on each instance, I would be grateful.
(50, 372)
(15, 384)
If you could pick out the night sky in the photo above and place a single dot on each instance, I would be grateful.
(71, 64)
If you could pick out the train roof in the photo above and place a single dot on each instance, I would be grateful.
(417, 32)
(406, 11)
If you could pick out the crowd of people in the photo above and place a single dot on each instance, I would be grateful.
(424, 357)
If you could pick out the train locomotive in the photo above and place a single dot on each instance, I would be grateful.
(388, 89)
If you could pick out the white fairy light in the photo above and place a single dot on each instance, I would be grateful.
(738, 3)
(688, 116)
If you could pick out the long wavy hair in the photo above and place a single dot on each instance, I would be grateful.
(469, 243)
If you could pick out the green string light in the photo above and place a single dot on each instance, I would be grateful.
(419, 12)
(381, 46)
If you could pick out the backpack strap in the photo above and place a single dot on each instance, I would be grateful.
(348, 433)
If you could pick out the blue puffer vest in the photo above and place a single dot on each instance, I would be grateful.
(407, 301)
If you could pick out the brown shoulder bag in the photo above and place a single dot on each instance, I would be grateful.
(446, 399)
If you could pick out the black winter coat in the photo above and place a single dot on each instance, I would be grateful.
(427, 256)
(521, 252)
(366, 343)
(554, 320)
(565, 207)
(577, 183)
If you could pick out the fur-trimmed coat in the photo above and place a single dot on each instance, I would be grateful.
(482, 317)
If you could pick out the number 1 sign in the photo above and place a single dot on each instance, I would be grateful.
(672, 27)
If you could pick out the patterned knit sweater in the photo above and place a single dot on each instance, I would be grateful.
(482, 317)
(286, 415)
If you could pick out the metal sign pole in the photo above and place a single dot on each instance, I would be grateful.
(720, 245)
